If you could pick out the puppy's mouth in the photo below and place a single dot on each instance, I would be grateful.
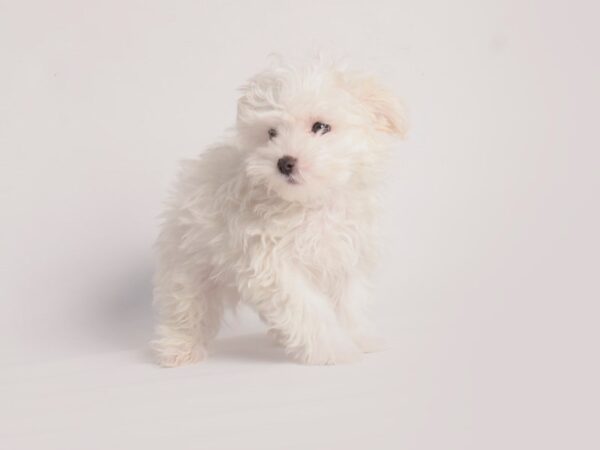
(291, 180)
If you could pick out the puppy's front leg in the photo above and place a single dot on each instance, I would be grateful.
(351, 311)
(189, 312)
(303, 319)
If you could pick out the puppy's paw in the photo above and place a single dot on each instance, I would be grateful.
(369, 342)
(179, 355)
(339, 350)
(277, 336)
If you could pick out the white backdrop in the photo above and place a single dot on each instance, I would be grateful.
(489, 288)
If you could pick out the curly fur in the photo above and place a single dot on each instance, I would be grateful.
(297, 249)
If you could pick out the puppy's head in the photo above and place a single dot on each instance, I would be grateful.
(309, 133)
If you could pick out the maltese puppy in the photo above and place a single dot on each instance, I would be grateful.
(280, 216)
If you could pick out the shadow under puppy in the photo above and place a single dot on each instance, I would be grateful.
(280, 216)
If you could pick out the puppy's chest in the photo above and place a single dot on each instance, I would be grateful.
(325, 243)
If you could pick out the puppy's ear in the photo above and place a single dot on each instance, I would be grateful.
(259, 95)
(386, 110)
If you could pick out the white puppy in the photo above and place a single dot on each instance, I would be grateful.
(280, 216)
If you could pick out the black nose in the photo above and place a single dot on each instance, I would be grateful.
(286, 164)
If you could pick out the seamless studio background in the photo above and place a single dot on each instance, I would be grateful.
(488, 289)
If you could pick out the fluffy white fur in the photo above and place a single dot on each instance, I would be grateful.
(298, 249)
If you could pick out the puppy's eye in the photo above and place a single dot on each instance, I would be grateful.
(272, 133)
(320, 128)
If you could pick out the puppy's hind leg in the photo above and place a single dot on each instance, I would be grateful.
(189, 315)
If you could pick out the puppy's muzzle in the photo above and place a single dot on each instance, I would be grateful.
(286, 165)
